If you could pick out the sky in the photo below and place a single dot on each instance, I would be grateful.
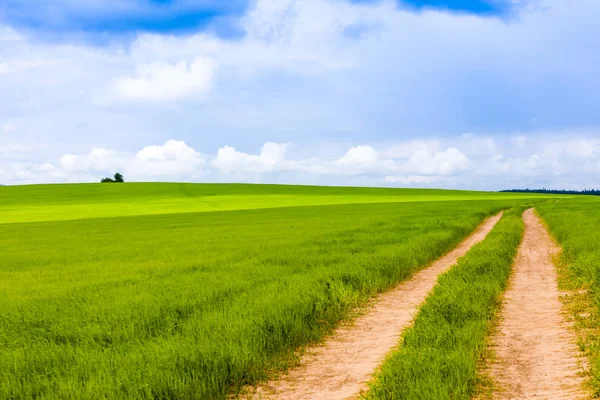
(468, 94)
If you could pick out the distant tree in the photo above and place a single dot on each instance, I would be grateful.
(118, 179)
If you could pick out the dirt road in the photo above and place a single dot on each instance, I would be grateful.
(341, 367)
(535, 351)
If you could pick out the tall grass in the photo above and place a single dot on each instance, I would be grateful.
(575, 223)
(197, 305)
(439, 355)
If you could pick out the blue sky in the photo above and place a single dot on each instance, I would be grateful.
(93, 17)
(462, 94)
(176, 16)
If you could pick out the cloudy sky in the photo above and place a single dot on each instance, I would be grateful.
(474, 94)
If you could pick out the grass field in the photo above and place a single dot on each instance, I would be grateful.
(575, 224)
(191, 291)
(68, 202)
(439, 355)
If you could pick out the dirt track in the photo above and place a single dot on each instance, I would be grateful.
(341, 367)
(535, 351)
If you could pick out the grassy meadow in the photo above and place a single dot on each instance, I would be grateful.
(144, 291)
(37, 203)
(575, 224)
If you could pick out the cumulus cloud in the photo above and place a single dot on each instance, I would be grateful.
(96, 160)
(407, 148)
(271, 157)
(172, 159)
(359, 156)
(440, 163)
(168, 82)
(583, 149)
(356, 161)
(568, 163)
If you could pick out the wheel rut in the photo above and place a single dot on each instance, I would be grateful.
(342, 366)
(535, 352)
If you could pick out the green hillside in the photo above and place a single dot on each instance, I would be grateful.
(76, 201)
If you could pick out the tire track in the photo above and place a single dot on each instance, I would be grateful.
(535, 351)
(342, 366)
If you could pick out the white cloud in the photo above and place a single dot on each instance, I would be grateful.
(564, 162)
(356, 161)
(406, 149)
(583, 149)
(271, 157)
(96, 160)
(440, 163)
(359, 156)
(172, 159)
(168, 82)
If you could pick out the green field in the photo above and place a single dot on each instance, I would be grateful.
(192, 291)
(575, 223)
(68, 202)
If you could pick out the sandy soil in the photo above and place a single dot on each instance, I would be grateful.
(341, 367)
(535, 351)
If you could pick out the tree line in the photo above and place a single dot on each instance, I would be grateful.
(589, 192)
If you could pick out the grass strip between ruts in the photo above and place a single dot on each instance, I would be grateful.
(439, 356)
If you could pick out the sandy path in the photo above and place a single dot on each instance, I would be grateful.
(341, 367)
(536, 355)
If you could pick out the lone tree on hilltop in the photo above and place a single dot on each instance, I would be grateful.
(118, 179)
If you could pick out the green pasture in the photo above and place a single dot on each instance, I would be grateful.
(167, 303)
(75, 201)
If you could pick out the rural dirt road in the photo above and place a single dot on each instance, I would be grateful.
(342, 366)
(535, 351)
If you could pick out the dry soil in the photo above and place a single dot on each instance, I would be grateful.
(342, 366)
(535, 352)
